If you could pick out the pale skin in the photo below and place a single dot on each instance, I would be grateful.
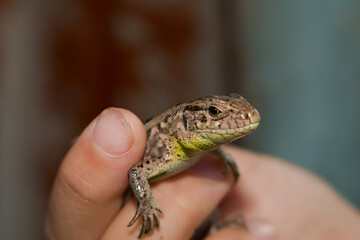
(85, 202)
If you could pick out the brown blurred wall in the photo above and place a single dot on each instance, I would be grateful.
(63, 62)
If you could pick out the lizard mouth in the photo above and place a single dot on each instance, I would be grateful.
(233, 131)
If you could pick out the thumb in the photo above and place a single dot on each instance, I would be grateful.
(87, 191)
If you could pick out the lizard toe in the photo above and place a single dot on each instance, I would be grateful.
(150, 224)
(156, 220)
(143, 227)
(135, 218)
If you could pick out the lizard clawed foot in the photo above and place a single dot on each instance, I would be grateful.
(150, 214)
(238, 220)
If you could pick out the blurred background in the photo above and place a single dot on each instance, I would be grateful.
(62, 62)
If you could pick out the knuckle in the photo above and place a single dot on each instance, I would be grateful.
(79, 189)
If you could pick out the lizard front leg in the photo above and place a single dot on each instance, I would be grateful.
(146, 206)
(228, 162)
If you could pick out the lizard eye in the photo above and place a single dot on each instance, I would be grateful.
(214, 111)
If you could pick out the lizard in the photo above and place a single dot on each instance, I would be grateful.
(178, 138)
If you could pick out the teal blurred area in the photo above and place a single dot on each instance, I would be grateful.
(63, 62)
(304, 74)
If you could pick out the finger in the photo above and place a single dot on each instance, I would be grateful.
(273, 191)
(186, 199)
(258, 171)
(87, 191)
(263, 177)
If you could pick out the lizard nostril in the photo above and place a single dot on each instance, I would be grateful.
(247, 115)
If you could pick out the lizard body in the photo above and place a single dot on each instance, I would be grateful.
(178, 138)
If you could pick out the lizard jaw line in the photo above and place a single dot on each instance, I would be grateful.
(245, 129)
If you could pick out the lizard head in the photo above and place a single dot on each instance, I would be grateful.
(215, 120)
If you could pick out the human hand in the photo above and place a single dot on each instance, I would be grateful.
(282, 201)
(278, 199)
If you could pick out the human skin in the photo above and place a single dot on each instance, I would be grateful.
(278, 200)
